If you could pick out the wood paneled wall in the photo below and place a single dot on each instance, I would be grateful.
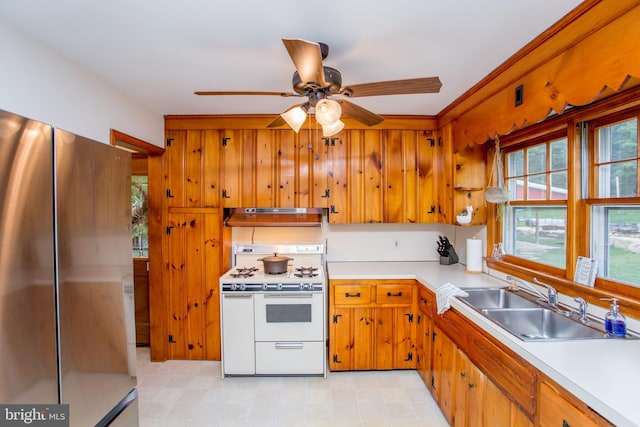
(590, 54)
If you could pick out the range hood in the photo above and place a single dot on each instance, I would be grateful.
(274, 217)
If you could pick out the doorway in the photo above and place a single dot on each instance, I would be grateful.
(140, 153)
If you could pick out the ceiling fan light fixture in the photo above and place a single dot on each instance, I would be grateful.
(328, 112)
(330, 130)
(295, 117)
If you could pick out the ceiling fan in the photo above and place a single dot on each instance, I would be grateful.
(320, 84)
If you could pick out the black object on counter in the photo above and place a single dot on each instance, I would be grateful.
(447, 253)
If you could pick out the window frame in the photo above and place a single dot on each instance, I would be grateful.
(545, 137)
(578, 204)
(604, 283)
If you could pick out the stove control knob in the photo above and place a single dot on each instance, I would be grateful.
(279, 286)
(242, 287)
(302, 286)
(234, 287)
(307, 286)
(265, 286)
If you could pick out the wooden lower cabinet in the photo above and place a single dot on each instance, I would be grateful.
(475, 380)
(371, 326)
(556, 410)
(467, 395)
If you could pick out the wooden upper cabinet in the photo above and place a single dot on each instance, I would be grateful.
(358, 175)
(191, 168)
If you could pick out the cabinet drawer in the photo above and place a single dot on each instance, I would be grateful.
(351, 294)
(394, 294)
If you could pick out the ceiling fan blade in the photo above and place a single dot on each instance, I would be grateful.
(395, 87)
(307, 57)
(360, 114)
(244, 93)
(277, 122)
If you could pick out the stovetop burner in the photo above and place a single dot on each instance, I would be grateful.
(243, 272)
(306, 272)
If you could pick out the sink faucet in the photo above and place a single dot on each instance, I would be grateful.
(552, 294)
(583, 308)
(517, 280)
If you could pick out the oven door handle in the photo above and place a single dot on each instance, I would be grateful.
(288, 295)
(237, 295)
(289, 345)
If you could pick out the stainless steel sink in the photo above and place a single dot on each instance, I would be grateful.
(536, 324)
(530, 319)
(496, 298)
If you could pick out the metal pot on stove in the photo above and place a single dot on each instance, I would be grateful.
(275, 264)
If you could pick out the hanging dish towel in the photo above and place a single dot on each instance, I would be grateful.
(444, 293)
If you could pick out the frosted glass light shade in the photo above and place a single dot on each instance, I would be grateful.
(328, 112)
(333, 129)
(295, 118)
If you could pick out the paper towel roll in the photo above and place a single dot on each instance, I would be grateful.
(474, 255)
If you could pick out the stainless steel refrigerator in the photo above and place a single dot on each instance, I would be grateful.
(67, 328)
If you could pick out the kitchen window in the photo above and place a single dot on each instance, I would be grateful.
(535, 219)
(613, 203)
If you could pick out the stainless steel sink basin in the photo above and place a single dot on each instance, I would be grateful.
(496, 298)
(529, 319)
(541, 324)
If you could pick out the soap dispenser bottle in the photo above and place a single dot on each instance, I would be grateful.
(614, 322)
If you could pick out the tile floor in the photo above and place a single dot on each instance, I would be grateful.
(192, 393)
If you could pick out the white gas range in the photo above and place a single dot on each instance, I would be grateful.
(274, 324)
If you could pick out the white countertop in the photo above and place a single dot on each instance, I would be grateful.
(602, 373)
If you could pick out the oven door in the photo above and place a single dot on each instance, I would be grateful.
(295, 316)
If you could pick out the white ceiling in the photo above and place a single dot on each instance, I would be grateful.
(160, 51)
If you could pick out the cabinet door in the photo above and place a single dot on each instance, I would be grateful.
(265, 168)
(173, 160)
(338, 182)
(427, 200)
(400, 176)
(341, 339)
(444, 169)
(384, 338)
(424, 347)
(443, 376)
(193, 259)
(372, 165)
(192, 163)
(363, 338)
(241, 181)
(404, 356)
(287, 169)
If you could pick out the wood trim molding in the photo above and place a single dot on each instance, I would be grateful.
(260, 121)
(133, 144)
